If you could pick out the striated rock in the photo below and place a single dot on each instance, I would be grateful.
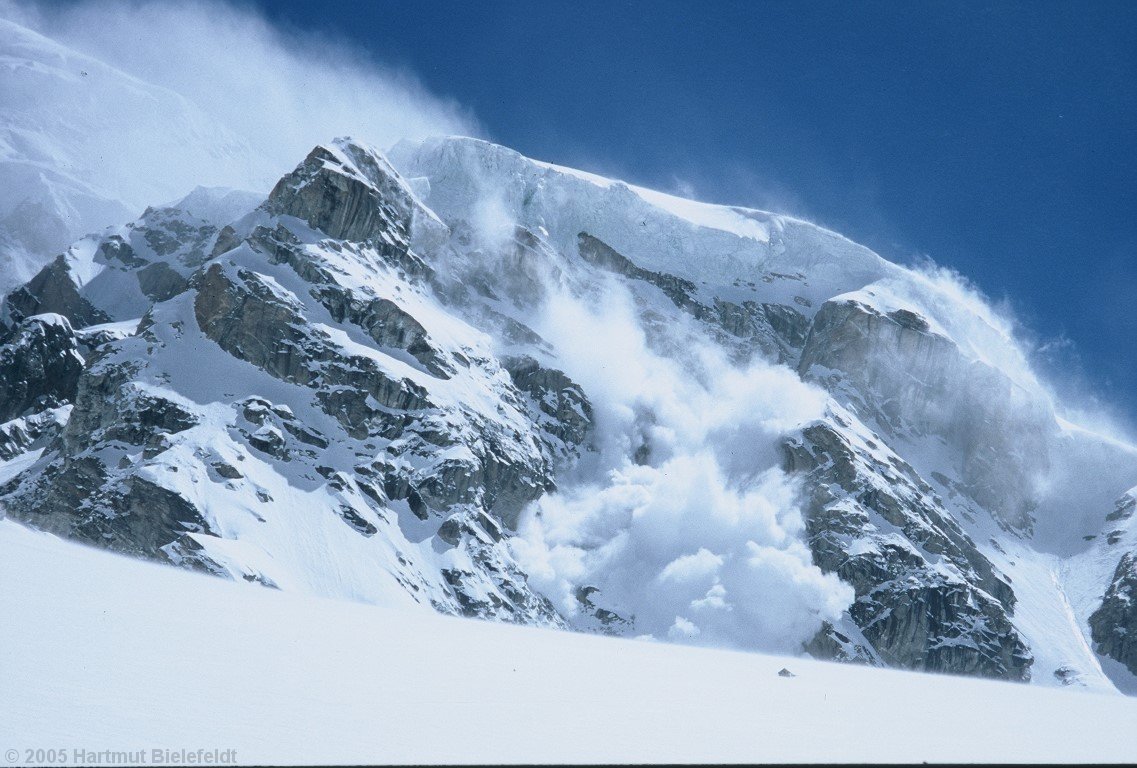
(349, 192)
(82, 499)
(681, 292)
(388, 325)
(253, 322)
(778, 330)
(37, 430)
(441, 449)
(558, 405)
(1114, 624)
(119, 274)
(891, 367)
(848, 646)
(926, 598)
(337, 392)
(82, 493)
(40, 363)
(477, 541)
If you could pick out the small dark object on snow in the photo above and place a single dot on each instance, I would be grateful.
(1066, 675)
(786, 673)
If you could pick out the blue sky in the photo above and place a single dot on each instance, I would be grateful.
(998, 138)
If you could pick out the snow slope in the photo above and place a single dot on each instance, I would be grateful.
(171, 659)
(722, 250)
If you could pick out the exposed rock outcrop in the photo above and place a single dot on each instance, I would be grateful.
(53, 290)
(1114, 624)
(778, 330)
(926, 598)
(40, 363)
(893, 368)
(349, 193)
(558, 405)
(334, 390)
(418, 445)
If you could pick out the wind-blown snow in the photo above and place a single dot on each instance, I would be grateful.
(94, 128)
(682, 518)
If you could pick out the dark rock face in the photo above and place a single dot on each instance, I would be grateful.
(246, 318)
(40, 363)
(789, 325)
(172, 234)
(388, 326)
(926, 598)
(599, 253)
(243, 314)
(348, 193)
(53, 290)
(160, 282)
(832, 644)
(144, 516)
(511, 599)
(1114, 624)
(892, 368)
(356, 379)
(146, 261)
(777, 330)
(251, 321)
(79, 494)
(127, 470)
(33, 431)
(561, 408)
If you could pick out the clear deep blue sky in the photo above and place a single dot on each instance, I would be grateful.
(999, 138)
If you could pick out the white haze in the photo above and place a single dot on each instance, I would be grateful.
(701, 539)
(270, 95)
(992, 332)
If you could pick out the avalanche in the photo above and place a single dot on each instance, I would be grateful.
(453, 379)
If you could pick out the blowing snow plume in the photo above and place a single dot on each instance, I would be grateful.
(683, 526)
(162, 97)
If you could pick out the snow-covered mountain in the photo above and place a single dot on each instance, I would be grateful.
(454, 378)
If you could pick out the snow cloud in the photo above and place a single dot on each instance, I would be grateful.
(278, 92)
(1062, 457)
(683, 518)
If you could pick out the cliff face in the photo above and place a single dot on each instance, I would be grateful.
(915, 381)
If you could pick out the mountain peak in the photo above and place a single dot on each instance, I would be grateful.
(348, 190)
